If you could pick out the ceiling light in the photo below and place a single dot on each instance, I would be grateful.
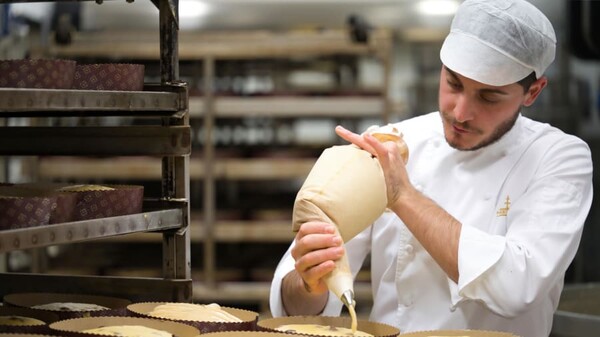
(192, 9)
(437, 7)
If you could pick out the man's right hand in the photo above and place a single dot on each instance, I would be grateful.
(317, 246)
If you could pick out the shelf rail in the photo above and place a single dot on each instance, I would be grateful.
(71, 232)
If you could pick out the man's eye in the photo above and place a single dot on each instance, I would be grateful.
(490, 100)
(453, 85)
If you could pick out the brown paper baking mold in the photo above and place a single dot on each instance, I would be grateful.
(449, 333)
(37, 73)
(65, 208)
(374, 328)
(24, 335)
(22, 208)
(46, 317)
(247, 334)
(122, 200)
(117, 306)
(74, 327)
(89, 204)
(249, 318)
(109, 76)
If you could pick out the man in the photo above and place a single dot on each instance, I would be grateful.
(486, 215)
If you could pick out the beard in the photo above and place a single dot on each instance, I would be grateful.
(500, 131)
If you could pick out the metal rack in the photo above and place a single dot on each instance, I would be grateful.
(169, 140)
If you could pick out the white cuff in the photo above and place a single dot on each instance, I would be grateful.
(275, 301)
(472, 264)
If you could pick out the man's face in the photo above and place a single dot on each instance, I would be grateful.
(474, 114)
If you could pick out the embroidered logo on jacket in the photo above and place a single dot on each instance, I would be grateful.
(503, 211)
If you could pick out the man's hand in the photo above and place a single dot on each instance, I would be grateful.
(390, 159)
(317, 246)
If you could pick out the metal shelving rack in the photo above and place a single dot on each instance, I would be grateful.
(169, 140)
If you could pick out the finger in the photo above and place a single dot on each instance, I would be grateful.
(315, 227)
(354, 138)
(313, 276)
(388, 149)
(315, 243)
(379, 149)
(318, 258)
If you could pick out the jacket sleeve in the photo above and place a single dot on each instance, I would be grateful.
(543, 231)
(357, 249)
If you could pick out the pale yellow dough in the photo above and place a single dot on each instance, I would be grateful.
(129, 331)
(85, 188)
(193, 312)
(390, 133)
(19, 321)
(70, 306)
(321, 330)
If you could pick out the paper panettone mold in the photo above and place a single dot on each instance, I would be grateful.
(247, 318)
(246, 334)
(16, 334)
(37, 73)
(458, 333)
(109, 76)
(22, 208)
(101, 201)
(67, 306)
(84, 202)
(373, 328)
(76, 327)
(29, 320)
(64, 210)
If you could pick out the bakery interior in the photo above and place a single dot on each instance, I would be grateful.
(254, 89)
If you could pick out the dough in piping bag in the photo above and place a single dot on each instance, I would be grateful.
(346, 187)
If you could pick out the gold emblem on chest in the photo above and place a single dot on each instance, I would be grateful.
(503, 211)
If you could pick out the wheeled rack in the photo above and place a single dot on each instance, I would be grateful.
(169, 139)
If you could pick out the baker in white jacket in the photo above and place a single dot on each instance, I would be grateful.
(487, 214)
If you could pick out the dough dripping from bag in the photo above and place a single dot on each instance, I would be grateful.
(346, 187)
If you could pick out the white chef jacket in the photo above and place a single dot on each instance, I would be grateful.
(522, 202)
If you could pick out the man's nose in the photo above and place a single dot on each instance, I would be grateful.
(463, 110)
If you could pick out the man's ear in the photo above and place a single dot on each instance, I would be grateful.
(534, 90)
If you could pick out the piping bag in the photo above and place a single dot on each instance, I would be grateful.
(345, 187)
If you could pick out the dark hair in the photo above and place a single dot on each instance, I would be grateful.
(528, 81)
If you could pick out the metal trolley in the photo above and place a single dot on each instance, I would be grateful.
(169, 138)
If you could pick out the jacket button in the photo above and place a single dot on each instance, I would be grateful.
(407, 300)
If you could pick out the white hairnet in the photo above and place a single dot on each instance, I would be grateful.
(499, 42)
